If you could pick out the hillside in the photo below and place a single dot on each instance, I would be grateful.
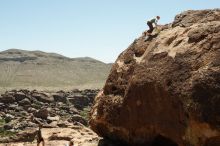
(49, 71)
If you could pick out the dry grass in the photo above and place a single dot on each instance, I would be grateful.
(48, 72)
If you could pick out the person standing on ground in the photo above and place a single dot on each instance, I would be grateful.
(71, 143)
(40, 139)
(150, 24)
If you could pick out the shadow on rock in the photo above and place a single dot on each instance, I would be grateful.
(108, 142)
(158, 141)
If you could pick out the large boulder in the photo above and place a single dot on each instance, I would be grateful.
(167, 89)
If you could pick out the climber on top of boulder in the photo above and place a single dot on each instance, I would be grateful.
(150, 24)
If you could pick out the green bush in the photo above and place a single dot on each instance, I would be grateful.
(85, 113)
(3, 132)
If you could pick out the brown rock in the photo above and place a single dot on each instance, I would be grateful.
(42, 113)
(42, 97)
(20, 96)
(25, 102)
(78, 118)
(214, 141)
(64, 124)
(166, 90)
(79, 101)
(60, 97)
(7, 99)
(191, 17)
(27, 135)
(8, 127)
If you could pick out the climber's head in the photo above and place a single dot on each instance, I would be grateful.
(158, 17)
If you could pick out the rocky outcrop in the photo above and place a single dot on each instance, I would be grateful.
(22, 110)
(165, 90)
(81, 135)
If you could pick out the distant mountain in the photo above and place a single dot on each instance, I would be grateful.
(49, 71)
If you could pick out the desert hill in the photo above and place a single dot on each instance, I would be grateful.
(49, 71)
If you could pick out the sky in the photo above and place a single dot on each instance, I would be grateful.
(100, 29)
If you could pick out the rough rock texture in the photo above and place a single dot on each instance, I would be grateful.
(22, 110)
(167, 89)
(82, 136)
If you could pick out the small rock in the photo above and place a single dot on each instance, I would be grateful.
(7, 99)
(53, 124)
(8, 118)
(42, 113)
(25, 102)
(78, 118)
(12, 106)
(42, 97)
(56, 118)
(24, 113)
(8, 127)
(31, 110)
(79, 101)
(2, 105)
(60, 97)
(25, 136)
(73, 110)
(20, 96)
(63, 124)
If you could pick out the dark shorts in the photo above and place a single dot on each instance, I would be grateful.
(151, 28)
(39, 140)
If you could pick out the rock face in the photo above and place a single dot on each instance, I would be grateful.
(167, 89)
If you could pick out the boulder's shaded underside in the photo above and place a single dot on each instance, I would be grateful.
(167, 88)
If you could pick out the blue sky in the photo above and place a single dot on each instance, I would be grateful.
(100, 29)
